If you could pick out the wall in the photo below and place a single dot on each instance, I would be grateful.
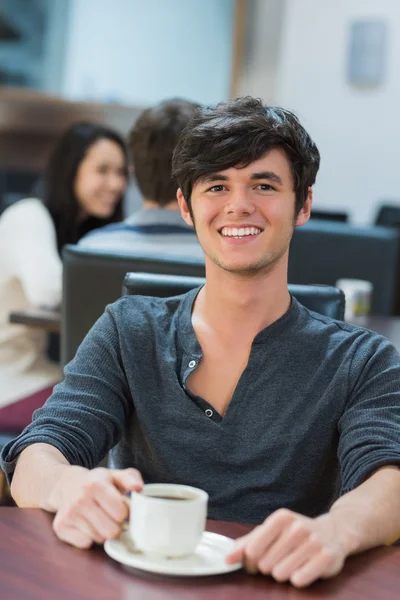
(357, 130)
(142, 52)
(54, 43)
(21, 60)
(265, 20)
(36, 59)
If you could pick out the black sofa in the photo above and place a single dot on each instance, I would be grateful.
(322, 252)
(93, 279)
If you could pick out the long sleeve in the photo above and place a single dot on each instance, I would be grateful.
(369, 426)
(28, 235)
(87, 413)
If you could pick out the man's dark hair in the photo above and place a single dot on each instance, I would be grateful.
(152, 142)
(238, 132)
(59, 181)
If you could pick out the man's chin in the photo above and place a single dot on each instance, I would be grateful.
(246, 269)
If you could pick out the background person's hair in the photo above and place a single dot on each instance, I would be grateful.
(59, 181)
(238, 132)
(152, 142)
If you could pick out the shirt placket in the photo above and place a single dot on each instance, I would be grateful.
(190, 363)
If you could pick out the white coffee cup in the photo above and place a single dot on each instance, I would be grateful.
(167, 519)
(358, 295)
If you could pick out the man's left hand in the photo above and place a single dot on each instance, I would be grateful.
(294, 548)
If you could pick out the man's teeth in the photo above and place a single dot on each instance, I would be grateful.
(239, 232)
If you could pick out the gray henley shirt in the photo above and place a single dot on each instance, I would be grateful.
(316, 410)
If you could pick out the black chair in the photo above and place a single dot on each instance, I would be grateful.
(326, 300)
(5, 498)
(329, 215)
(322, 252)
(388, 216)
(92, 279)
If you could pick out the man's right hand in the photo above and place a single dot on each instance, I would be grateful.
(90, 505)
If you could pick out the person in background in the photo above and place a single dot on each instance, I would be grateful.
(158, 225)
(83, 187)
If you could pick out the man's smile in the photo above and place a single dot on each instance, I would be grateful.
(242, 232)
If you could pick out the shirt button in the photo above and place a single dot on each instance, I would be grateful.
(192, 364)
(209, 412)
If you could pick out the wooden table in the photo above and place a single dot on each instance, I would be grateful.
(49, 320)
(35, 565)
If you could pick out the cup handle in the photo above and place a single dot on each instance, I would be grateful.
(125, 535)
(125, 524)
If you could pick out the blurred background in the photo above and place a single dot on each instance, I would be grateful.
(334, 63)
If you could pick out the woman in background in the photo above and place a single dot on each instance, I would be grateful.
(84, 184)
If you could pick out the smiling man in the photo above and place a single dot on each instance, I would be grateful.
(288, 419)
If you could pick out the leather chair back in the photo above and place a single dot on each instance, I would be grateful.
(326, 300)
(322, 252)
(330, 215)
(92, 279)
(388, 216)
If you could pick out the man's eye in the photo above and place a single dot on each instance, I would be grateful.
(216, 188)
(265, 187)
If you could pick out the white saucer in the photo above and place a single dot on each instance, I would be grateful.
(208, 558)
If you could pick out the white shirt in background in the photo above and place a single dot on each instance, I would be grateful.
(30, 275)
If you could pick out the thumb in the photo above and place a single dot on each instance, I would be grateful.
(127, 480)
(237, 554)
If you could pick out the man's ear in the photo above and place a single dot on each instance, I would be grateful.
(184, 208)
(305, 212)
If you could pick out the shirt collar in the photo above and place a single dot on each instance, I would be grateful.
(157, 216)
(187, 336)
(281, 324)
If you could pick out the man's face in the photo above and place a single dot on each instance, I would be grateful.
(245, 217)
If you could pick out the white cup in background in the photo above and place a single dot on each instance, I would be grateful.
(358, 295)
(167, 519)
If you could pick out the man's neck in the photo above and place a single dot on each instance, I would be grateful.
(173, 205)
(241, 306)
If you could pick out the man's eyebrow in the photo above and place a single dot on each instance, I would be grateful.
(213, 177)
(270, 175)
(267, 175)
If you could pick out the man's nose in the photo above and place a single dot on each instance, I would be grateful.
(240, 204)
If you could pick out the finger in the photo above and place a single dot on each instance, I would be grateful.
(112, 502)
(237, 553)
(102, 525)
(290, 539)
(67, 530)
(75, 537)
(262, 538)
(242, 544)
(240, 552)
(127, 480)
(313, 569)
(283, 570)
(250, 566)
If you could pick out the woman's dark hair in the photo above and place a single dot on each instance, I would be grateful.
(238, 132)
(152, 142)
(59, 181)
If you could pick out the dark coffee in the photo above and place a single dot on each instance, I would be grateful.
(171, 498)
(179, 498)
